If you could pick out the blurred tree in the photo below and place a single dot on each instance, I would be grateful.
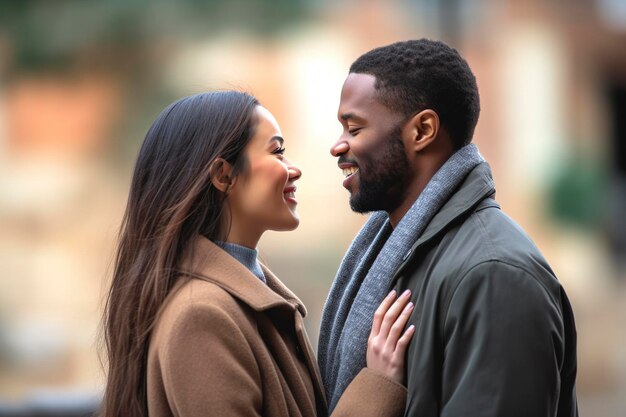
(45, 36)
(577, 193)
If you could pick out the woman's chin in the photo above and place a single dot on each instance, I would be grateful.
(288, 224)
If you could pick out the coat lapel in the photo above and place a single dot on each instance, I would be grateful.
(303, 339)
(207, 261)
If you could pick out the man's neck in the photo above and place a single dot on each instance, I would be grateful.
(425, 168)
(415, 188)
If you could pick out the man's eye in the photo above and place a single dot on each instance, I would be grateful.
(278, 151)
(354, 131)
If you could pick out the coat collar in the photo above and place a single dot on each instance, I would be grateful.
(206, 261)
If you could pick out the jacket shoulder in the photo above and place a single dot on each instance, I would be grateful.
(505, 242)
(486, 240)
(504, 237)
(487, 235)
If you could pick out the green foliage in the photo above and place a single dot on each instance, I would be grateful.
(577, 194)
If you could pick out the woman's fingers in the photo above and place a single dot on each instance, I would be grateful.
(395, 333)
(392, 313)
(403, 342)
(379, 315)
(388, 342)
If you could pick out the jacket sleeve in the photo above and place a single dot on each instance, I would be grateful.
(504, 345)
(208, 367)
(371, 394)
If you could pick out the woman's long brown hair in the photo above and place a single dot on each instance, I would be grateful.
(171, 201)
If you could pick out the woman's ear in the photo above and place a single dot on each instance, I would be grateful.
(220, 172)
(422, 129)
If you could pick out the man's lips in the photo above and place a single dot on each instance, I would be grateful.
(348, 168)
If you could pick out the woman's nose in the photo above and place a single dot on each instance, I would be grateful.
(340, 147)
(294, 172)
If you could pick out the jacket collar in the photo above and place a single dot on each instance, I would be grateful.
(477, 186)
(206, 261)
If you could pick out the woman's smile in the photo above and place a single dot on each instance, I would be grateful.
(290, 194)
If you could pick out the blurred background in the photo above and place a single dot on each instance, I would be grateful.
(81, 82)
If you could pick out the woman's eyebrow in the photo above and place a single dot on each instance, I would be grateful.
(280, 140)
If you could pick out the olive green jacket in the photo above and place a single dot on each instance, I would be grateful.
(495, 330)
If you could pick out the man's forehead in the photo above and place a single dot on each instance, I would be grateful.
(361, 85)
(358, 95)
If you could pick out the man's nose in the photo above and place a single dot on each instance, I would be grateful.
(340, 147)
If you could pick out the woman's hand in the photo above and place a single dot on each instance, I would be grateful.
(387, 343)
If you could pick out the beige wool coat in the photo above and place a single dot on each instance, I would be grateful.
(226, 344)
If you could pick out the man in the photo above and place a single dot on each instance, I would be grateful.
(495, 333)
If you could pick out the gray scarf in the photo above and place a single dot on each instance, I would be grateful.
(366, 272)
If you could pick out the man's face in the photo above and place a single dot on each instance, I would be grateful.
(370, 149)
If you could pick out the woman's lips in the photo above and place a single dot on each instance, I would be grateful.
(290, 194)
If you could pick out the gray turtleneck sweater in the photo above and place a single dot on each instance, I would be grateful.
(248, 257)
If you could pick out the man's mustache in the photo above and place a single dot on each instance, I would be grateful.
(345, 160)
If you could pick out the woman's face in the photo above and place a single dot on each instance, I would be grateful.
(263, 195)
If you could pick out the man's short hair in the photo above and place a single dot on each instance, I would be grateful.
(415, 75)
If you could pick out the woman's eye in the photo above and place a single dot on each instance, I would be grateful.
(278, 151)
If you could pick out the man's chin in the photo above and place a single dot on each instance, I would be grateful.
(359, 210)
(359, 206)
(362, 205)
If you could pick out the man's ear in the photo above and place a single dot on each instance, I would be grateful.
(221, 175)
(421, 129)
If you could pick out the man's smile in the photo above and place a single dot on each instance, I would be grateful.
(349, 171)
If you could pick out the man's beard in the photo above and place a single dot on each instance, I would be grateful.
(383, 180)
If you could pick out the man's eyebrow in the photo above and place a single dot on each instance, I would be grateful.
(350, 116)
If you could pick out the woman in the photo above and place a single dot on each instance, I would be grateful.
(194, 324)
